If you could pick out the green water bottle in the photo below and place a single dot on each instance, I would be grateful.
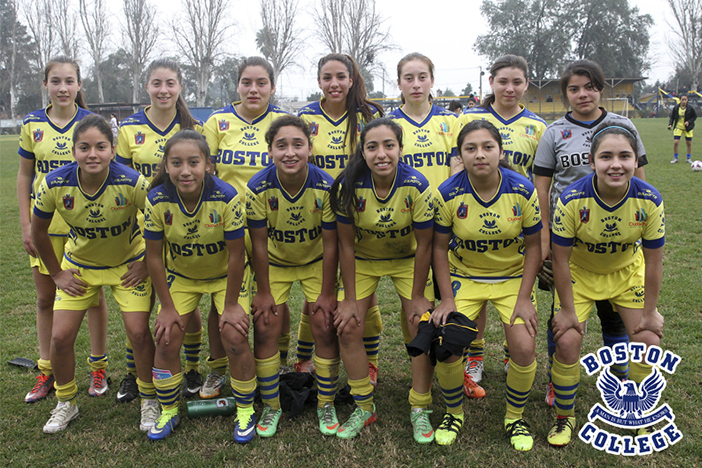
(218, 407)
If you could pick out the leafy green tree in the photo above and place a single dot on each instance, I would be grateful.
(467, 90)
(315, 96)
(118, 88)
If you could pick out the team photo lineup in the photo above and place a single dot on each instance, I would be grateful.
(458, 208)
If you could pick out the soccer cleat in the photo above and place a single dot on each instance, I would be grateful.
(474, 368)
(328, 422)
(44, 386)
(642, 431)
(674, 161)
(562, 431)
(472, 389)
(128, 389)
(357, 421)
(373, 374)
(165, 424)
(213, 385)
(550, 396)
(688, 160)
(150, 412)
(305, 366)
(448, 431)
(268, 425)
(421, 426)
(519, 436)
(506, 365)
(64, 413)
(244, 426)
(192, 383)
(98, 383)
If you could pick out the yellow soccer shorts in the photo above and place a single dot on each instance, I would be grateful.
(470, 296)
(677, 133)
(400, 271)
(58, 243)
(623, 288)
(136, 299)
(186, 293)
(281, 280)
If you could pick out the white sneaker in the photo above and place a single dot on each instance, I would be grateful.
(474, 368)
(64, 413)
(506, 366)
(674, 160)
(213, 385)
(150, 412)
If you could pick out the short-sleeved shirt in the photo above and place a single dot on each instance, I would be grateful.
(564, 149)
(487, 236)
(49, 146)
(428, 145)
(605, 238)
(385, 226)
(195, 240)
(140, 143)
(104, 231)
(239, 148)
(294, 222)
(330, 149)
(520, 134)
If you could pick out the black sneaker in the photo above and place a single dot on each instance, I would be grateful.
(128, 389)
(192, 381)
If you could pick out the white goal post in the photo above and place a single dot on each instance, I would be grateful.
(626, 105)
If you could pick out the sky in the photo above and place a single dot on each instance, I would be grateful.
(445, 36)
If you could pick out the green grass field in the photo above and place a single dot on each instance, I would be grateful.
(106, 434)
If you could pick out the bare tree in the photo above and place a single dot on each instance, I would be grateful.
(97, 28)
(66, 22)
(142, 32)
(279, 40)
(199, 36)
(330, 24)
(687, 49)
(37, 14)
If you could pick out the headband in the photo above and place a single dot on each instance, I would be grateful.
(613, 126)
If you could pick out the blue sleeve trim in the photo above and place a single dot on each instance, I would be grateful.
(257, 223)
(26, 154)
(653, 244)
(42, 214)
(153, 235)
(533, 229)
(562, 241)
(329, 226)
(233, 235)
(442, 229)
(343, 219)
(125, 161)
(423, 225)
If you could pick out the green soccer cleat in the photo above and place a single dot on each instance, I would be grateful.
(519, 436)
(421, 426)
(328, 422)
(268, 425)
(562, 431)
(448, 431)
(357, 421)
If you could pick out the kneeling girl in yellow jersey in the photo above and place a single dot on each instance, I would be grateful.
(608, 238)
(487, 247)
(384, 220)
(293, 235)
(99, 199)
(198, 221)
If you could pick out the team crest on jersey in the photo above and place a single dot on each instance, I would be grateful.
(168, 217)
(641, 216)
(139, 138)
(462, 211)
(68, 202)
(38, 135)
(273, 203)
(443, 126)
(359, 128)
(317, 206)
(361, 205)
(409, 204)
(314, 128)
(95, 213)
(530, 130)
(223, 125)
(516, 214)
(628, 405)
(566, 133)
(584, 214)
(215, 220)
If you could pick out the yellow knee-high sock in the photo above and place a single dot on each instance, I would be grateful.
(283, 347)
(371, 334)
(131, 366)
(327, 379)
(45, 367)
(450, 378)
(505, 348)
(362, 392)
(168, 390)
(639, 371)
(519, 382)
(218, 365)
(66, 392)
(477, 349)
(305, 340)
(192, 344)
(566, 379)
(243, 392)
(147, 390)
(419, 400)
(97, 362)
(267, 376)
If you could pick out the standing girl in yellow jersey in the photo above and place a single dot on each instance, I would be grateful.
(198, 220)
(140, 145)
(487, 247)
(99, 198)
(336, 122)
(236, 137)
(45, 143)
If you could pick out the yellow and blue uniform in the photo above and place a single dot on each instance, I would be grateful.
(104, 235)
(520, 134)
(680, 129)
(486, 250)
(239, 148)
(294, 225)
(330, 149)
(140, 143)
(429, 144)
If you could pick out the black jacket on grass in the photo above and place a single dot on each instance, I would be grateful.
(690, 116)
